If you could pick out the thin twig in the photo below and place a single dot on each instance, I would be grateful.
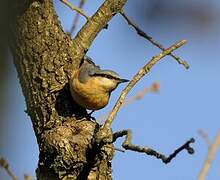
(127, 144)
(4, 164)
(149, 38)
(76, 19)
(86, 35)
(153, 88)
(213, 148)
(120, 150)
(143, 71)
(140, 95)
(73, 7)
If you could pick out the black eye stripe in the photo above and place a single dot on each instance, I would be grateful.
(107, 76)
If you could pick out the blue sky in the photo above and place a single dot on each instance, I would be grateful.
(188, 99)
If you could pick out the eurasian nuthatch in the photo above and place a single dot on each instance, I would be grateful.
(91, 87)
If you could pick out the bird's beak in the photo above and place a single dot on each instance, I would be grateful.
(123, 80)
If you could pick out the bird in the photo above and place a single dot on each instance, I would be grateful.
(91, 87)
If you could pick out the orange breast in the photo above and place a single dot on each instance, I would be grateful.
(88, 95)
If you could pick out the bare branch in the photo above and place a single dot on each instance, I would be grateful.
(73, 7)
(4, 164)
(76, 19)
(213, 148)
(143, 71)
(127, 144)
(153, 88)
(84, 38)
(149, 38)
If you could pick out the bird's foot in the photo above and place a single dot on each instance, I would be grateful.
(89, 115)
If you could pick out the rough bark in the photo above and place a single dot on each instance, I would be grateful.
(44, 57)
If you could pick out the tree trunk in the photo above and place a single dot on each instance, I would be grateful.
(44, 57)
